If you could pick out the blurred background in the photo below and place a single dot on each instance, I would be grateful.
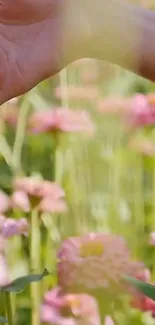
(90, 132)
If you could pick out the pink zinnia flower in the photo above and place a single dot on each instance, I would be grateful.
(142, 112)
(63, 120)
(95, 262)
(10, 227)
(20, 201)
(143, 303)
(4, 202)
(139, 300)
(143, 275)
(37, 188)
(73, 309)
(50, 205)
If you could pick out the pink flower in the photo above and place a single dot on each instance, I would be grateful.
(50, 205)
(63, 120)
(20, 201)
(60, 309)
(4, 202)
(95, 262)
(78, 93)
(23, 226)
(11, 227)
(38, 188)
(51, 189)
(152, 239)
(143, 275)
(139, 300)
(143, 303)
(142, 112)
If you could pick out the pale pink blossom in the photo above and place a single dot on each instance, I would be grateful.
(38, 188)
(139, 300)
(142, 112)
(143, 303)
(51, 189)
(20, 201)
(93, 262)
(50, 205)
(78, 93)
(11, 227)
(143, 275)
(76, 309)
(63, 120)
(23, 226)
(4, 202)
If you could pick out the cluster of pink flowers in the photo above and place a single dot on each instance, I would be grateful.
(62, 120)
(45, 195)
(29, 192)
(90, 268)
(71, 309)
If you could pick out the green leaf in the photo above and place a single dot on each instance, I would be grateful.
(146, 288)
(3, 320)
(19, 284)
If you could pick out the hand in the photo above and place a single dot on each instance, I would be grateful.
(35, 42)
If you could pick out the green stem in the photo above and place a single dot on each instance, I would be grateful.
(35, 260)
(63, 84)
(20, 135)
(138, 206)
(8, 305)
(5, 150)
(2, 303)
(153, 213)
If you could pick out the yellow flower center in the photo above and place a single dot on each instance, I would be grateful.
(92, 249)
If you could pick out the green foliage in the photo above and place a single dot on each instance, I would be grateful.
(19, 284)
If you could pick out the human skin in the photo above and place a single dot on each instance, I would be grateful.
(40, 37)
